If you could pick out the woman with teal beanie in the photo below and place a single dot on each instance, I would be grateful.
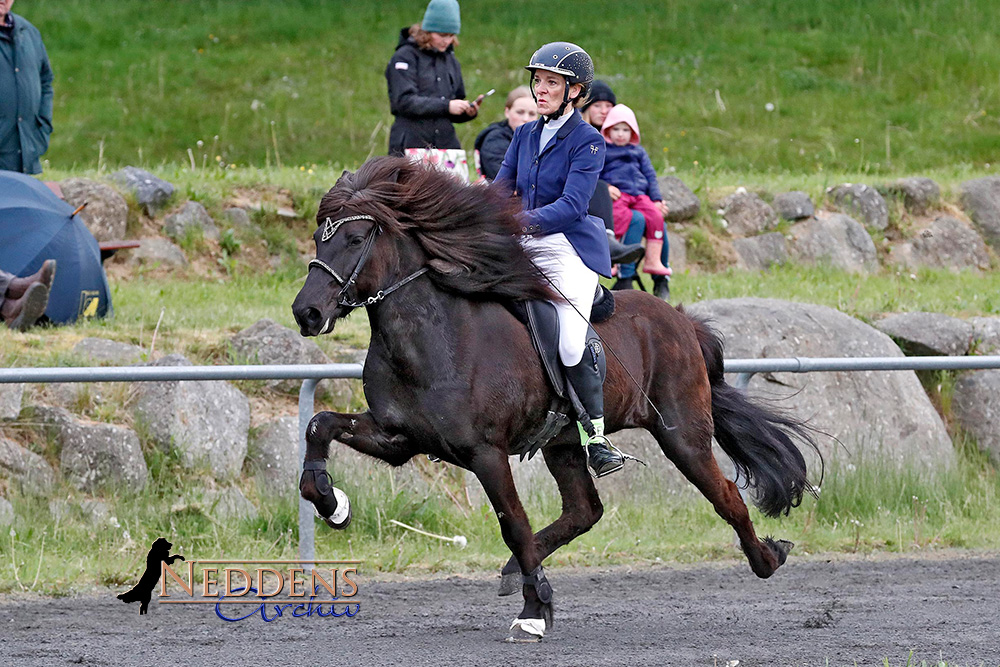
(426, 91)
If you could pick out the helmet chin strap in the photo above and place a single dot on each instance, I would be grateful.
(562, 107)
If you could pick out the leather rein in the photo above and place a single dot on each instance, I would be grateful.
(330, 228)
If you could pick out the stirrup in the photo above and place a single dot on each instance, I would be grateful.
(601, 440)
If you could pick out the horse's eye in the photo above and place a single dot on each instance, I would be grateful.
(356, 241)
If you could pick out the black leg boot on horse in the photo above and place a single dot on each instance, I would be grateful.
(586, 379)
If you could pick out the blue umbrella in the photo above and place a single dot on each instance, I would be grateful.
(35, 225)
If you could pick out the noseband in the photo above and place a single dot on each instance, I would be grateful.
(330, 228)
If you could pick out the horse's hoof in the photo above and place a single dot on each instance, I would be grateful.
(510, 583)
(526, 631)
(780, 549)
(341, 517)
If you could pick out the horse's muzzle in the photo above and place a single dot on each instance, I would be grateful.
(310, 320)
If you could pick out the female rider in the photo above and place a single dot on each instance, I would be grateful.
(553, 164)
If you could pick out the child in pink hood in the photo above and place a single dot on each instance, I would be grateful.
(627, 167)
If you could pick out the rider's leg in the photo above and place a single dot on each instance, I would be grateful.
(577, 284)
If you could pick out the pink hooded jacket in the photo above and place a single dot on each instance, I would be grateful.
(621, 114)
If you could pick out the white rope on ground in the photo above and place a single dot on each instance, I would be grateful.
(457, 539)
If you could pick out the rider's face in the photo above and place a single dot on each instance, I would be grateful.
(549, 89)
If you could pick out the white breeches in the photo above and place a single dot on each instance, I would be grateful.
(559, 262)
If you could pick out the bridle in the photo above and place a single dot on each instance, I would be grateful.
(330, 228)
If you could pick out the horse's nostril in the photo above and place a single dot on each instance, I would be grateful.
(312, 316)
(309, 319)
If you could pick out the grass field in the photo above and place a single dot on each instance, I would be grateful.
(899, 86)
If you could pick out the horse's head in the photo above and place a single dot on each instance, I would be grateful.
(344, 275)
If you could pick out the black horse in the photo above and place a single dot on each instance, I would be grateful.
(452, 373)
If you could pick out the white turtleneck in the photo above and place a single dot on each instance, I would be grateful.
(551, 127)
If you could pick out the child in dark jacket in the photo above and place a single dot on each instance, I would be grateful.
(627, 167)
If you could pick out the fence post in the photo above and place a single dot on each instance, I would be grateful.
(307, 527)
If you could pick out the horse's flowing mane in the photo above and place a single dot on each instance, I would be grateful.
(469, 233)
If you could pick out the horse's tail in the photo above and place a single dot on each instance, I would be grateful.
(756, 438)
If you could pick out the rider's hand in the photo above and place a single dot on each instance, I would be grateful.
(614, 192)
(457, 107)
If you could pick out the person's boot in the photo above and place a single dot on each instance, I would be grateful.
(21, 314)
(588, 384)
(624, 254)
(602, 459)
(661, 287)
(652, 263)
(45, 275)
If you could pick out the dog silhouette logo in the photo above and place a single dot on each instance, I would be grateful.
(142, 592)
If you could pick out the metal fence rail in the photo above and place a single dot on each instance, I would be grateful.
(311, 374)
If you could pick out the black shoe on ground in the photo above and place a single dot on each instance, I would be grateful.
(603, 461)
(661, 287)
(624, 283)
(625, 254)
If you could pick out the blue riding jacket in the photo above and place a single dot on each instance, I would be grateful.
(555, 186)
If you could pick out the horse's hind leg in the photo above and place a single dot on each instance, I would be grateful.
(493, 471)
(358, 431)
(690, 448)
(581, 509)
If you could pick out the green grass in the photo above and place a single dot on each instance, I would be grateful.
(897, 86)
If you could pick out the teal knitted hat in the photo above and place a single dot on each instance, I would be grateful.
(442, 16)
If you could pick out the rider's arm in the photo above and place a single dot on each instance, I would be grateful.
(584, 168)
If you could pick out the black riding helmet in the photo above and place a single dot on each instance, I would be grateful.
(568, 60)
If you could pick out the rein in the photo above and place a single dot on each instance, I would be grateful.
(329, 229)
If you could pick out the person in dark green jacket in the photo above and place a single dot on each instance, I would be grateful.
(26, 102)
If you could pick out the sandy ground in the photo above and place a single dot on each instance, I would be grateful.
(812, 612)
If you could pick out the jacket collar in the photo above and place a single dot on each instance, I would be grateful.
(567, 127)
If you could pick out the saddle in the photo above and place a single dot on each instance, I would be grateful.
(543, 326)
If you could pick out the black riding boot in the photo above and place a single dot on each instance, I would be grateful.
(586, 380)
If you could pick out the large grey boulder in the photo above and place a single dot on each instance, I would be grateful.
(106, 215)
(102, 350)
(987, 334)
(981, 201)
(6, 513)
(759, 253)
(794, 205)
(928, 334)
(229, 505)
(862, 201)
(273, 456)
(267, 342)
(682, 204)
(101, 456)
(238, 217)
(948, 243)
(191, 216)
(746, 214)
(156, 251)
(206, 423)
(10, 400)
(976, 406)
(872, 413)
(918, 194)
(25, 469)
(151, 193)
(835, 239)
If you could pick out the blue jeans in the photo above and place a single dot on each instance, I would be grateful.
(636, 230)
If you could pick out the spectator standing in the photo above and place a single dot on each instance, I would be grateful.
(25, 94)
(492, 143)
(426, 91)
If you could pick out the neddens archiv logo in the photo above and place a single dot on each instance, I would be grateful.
(241, 589)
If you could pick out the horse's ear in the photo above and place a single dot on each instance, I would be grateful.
(343, 176)
(393, 176)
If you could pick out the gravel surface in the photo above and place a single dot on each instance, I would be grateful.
(812, 612)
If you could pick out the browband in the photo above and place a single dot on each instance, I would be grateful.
(330, 227)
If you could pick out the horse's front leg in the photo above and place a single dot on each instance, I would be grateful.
(358, 431)
(493, 471)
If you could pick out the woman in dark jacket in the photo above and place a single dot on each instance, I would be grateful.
(426, 91)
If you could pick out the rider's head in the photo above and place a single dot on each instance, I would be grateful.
(561, 74)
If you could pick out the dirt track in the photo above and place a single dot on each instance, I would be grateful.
(844, 611)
